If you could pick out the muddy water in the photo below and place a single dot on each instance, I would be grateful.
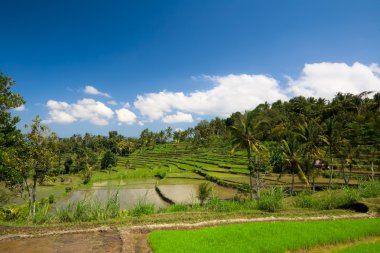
(186, 192)
(108, 241)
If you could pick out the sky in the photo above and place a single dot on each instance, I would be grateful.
(95, 66)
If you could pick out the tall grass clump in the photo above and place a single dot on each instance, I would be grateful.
(332, 199)
(90, 210)
(219, 205)
(369, 189)
(271, 199)
(204, 192)
(304, 200)
(142, 208)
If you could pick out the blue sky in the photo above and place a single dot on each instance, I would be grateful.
(174, 63)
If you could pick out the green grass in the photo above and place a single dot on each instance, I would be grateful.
(264, 236)
(366, 247)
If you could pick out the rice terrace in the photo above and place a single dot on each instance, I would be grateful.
(125, 128)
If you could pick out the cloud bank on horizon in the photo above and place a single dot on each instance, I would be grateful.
(230, 93)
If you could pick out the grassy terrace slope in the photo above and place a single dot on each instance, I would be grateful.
(217, 165)
(263, 237)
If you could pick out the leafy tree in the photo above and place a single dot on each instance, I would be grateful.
(10, 136)
(108, 161)
(35, 157)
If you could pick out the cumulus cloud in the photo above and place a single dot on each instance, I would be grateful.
(326, 79)
(230, 94)
(126, 116)
(86, 109)
(91, 90)
(21, 108)
(112, 102)
(178, 117)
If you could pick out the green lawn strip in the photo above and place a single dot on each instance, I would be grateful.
(364, 247)
(263, 237)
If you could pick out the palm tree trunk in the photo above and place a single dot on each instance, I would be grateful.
(331, 168)
(258, 182)
(251, 185)
(343, 171)
(292, 189)
(350, 174)
(313, 175)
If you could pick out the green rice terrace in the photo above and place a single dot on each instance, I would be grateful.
(296, 176)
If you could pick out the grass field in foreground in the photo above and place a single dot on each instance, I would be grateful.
(366, 247)
(263, 236)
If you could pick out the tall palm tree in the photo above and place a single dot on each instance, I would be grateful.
(332, 137)
(244, 137)
(310, 134)
(292, 151)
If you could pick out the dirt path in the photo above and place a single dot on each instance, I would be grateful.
(134, 239)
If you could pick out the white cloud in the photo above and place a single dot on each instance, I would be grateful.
(230, 94)
(84, 110)
(326, 79)
(126, 116)
(112, 102)
(140, 123)
(178, 117)
(93, 91)
(20, 108)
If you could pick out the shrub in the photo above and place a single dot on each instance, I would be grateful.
(68, 189)
(51, 199)
(271, 199)
(178, 207)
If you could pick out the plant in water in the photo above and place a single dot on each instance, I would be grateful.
(204, 192)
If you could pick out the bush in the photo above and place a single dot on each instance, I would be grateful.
(271, 200)
(68, 189)
(51, 199)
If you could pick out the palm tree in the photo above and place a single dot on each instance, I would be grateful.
(291, 148)
(312, 140)
(244, 137)
(331, 134)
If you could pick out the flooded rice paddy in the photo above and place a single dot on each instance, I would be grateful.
(132, 191)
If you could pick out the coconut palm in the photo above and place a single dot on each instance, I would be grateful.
(292, 150)
(245, 137)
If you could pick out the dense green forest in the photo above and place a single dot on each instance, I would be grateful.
(301, 137)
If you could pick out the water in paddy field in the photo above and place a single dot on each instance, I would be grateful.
(108, 241)
(186, 191)
(130, 193)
